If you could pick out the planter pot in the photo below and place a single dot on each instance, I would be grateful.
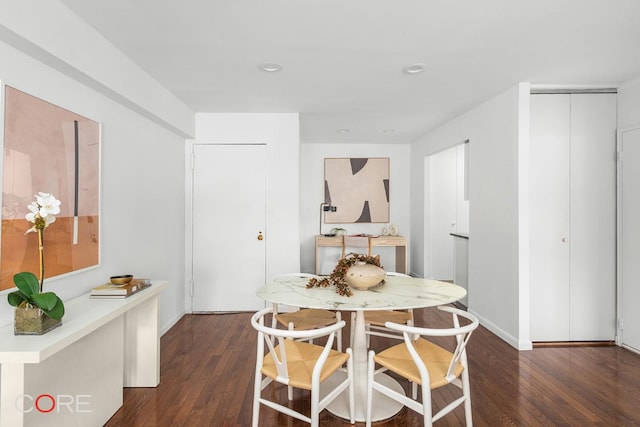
(363, 276)
(32, 321)
(338, 231)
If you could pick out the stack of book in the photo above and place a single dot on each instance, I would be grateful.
(109, 290)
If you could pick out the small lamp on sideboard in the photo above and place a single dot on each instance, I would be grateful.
(325, 207)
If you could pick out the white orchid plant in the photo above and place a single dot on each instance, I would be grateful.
(42, 214)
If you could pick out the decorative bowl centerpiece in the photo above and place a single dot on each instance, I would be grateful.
(355, 270)
(121, 280)
(363, 276)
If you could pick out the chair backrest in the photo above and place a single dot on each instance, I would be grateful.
(271, 335)
(461, 333)
(280, 278)
(285, 276)
(356, 244)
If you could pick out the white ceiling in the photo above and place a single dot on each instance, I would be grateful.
(342, 59)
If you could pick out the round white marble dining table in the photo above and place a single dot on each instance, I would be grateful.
(396, 293)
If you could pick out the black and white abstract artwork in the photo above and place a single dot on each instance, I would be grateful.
(358, 188)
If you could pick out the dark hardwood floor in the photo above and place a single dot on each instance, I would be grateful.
(207, 364)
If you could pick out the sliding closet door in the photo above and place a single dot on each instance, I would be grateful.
(593, 217)
(550, 217)
(573, 217)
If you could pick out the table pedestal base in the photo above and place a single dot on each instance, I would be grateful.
(383, 407)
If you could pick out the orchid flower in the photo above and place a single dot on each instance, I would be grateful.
(48, 204)
(43, 211)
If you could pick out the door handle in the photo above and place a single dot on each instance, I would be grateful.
(260, 236)
(565, 240)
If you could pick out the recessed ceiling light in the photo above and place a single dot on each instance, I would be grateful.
(388, 130)
(344, 130)
(414, 68)
(270, 67)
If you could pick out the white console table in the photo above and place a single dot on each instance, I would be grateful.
(74, 375)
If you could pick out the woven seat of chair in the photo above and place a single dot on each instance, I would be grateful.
(397, 359)
(309, 318)
(379, 317)
(301, 358)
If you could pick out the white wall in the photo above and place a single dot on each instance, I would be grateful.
(629, 103)
(51, 33)
(312, 194)
(281, 134)
(142, 174)
(497, 131)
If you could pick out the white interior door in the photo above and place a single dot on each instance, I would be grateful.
(593, 217)
(550, 217)
(229, 206)
(462, 188)
(442, 212)
(629, 237)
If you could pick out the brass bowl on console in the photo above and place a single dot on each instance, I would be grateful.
(121, 280)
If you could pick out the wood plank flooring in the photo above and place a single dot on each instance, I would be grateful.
(207, 364)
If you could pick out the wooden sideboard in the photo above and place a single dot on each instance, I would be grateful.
(74, 375)
(400, 243)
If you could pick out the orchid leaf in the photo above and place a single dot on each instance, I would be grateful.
(28, 283)
(46, 300)
(16, 297)
(57, 311)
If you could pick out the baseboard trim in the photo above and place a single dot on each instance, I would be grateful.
(171, 323)
(520, 345)
(542, 344)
